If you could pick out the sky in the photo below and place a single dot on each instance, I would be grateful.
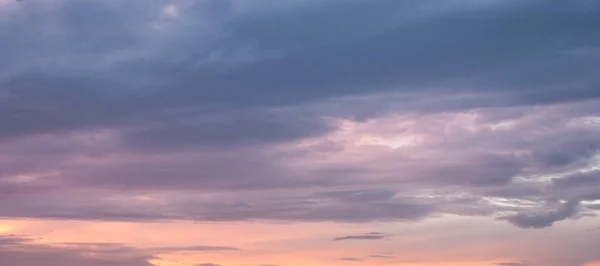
(299, 132)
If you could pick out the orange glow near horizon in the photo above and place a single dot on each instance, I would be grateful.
(427, 244)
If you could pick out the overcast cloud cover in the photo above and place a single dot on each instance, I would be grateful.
(349, 112)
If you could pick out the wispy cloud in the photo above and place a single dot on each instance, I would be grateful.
(368, 236)
(522, 263)
(351, 259)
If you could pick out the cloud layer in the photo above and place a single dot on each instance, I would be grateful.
(302, 111)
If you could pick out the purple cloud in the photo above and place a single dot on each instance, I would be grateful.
(368, 236)
(20, 251)
(400, 119)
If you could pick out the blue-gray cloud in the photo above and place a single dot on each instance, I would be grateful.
(102, 63)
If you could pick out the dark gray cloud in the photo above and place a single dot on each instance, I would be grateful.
(568, 150)
(235, 129)
(543, 219)
(483, 170)
(438, 47)
(577, 180)
(208, 264)
(368, 236)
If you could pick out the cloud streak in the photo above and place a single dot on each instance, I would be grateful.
(368, 236)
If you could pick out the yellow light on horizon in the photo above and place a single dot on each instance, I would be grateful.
(5, 229)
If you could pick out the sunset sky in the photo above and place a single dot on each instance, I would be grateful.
(299, 132)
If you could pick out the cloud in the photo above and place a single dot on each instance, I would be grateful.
(219, 207)
(174, 131)
(577, 180)
(303, 111)
(26, 251)
(22, 253)
(6, 240)
(416, 111)
(522, 263)
(351, 259)
(369, 236)
(395, 167)
(360, 195)
(543, 219)
(194, 248)
(381, 257)
(228, 56)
